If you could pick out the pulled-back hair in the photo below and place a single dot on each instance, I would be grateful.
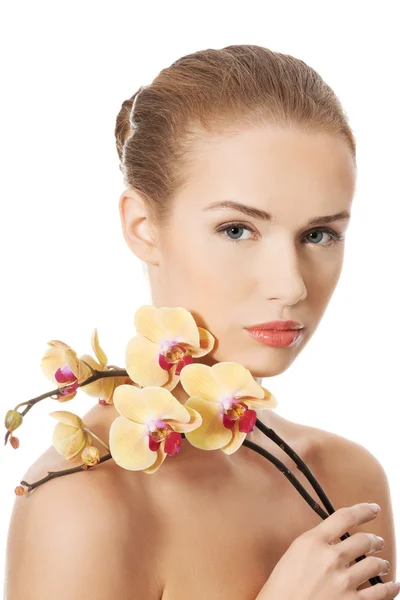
(216, 91)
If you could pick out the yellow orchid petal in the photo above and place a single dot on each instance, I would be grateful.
(105, 389)
(84, 371)
(251, 388)
(236, 441)
(141, 362)
(198, 380)
(173, 378)
(59, 345)
(71, 358)
(178, 325)
(161, 404)
(129, 445)
(207, 342)
(90, 361)
(161, 456)
(123, 380)
(269, 401)
(146, 324)
(268, 395)
(101, 356)
(69, 418)
(77, 445)
(211, 435)
(149, 403)
(68, 440)
(66, 397)
(195, 421)
(131, 404)
(50, 363)
(235, 380)
(101, 388)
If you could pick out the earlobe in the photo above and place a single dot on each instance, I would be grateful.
(139, 232)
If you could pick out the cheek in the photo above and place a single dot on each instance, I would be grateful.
(198, 259)
(323, 281)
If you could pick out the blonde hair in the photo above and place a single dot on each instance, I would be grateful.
(216, 91)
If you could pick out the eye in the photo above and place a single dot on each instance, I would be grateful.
(236, 229)
(334, 236)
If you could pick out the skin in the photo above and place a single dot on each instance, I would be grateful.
(219, 518)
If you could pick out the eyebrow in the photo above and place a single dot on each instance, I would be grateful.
(257, 213)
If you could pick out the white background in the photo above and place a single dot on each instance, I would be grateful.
(66, 69)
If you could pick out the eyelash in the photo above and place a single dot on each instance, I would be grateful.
(336, 237)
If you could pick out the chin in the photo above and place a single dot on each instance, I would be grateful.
(261, 361)
(260, 364)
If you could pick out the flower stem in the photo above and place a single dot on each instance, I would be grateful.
(54, 474)
(301, 465)
(97, 438)
(289, 475)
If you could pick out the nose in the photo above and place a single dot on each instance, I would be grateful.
(284, 278)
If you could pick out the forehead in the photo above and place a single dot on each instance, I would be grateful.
(279, 166)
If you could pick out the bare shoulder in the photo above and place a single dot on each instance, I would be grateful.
(329, 453)
(86, 530)
(337, 454)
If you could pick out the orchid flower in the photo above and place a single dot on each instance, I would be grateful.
(167, 340)
(149, 427)
(69, 437)
(225, 396)
(62, 366)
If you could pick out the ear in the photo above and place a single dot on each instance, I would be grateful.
(139, 232)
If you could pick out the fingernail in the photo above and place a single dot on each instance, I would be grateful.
(375, 508)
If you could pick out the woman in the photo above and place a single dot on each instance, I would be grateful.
(240, 171)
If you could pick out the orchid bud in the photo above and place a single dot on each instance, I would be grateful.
(90, 456)
(13, 420)
(14, 441)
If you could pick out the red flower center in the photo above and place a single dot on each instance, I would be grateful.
(65, 375)
(240, 411)
(173, 439)
(175, 354)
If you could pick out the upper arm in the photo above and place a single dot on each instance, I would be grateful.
(358, 476)
(71, 537)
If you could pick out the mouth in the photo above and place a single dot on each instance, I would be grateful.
(277, 325)
(276, 338)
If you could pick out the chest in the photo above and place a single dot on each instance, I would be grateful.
(228, 528)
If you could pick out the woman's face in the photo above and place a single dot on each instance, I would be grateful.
(233, 270)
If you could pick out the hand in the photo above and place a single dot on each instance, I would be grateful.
(316, 568)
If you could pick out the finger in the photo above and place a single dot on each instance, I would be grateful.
(357, 545)
(365, 569)
(342, 520)
(380, 591)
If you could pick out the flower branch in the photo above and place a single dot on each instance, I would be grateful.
(54, 474)
(302, 466)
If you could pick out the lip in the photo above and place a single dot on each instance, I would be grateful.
(276, 326)
(277, 339)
